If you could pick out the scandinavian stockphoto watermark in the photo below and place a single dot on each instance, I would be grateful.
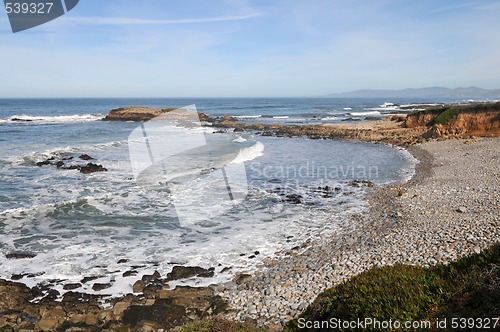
(27, 14)
(201, 178)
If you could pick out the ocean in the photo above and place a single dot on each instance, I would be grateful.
(282, 191)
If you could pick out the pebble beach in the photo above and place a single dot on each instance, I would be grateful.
(449, 209)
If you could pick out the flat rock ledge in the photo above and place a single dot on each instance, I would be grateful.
(153, 308)
(141, 113)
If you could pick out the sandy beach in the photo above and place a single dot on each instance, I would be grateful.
(448, 210)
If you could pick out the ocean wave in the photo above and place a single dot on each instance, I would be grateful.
(75, 118)
(247, 116)
(370, 113)
(31, 158)
(250, 153)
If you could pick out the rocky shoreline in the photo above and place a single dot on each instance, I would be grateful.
(435, 218)
(447, 210)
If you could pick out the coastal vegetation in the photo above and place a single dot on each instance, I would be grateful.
(446, 116)
(469, 287)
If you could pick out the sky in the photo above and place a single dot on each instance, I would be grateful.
(252, 48)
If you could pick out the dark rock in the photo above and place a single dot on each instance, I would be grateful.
(98, 286)
(151, 277)
(33, 275)
(351, 119)
(138, 266)
(130, 273)
(17, 276)
(19, 255)
(225, 269)
(294, 198)
(87, 279)
(209, 274)
(72, 286)
(92, 168)
(52, 294)
(72, 167)
(183, 272)
(73, 298)
(85, 157)
(45, 162)
(122, 261)
(166, 314)
(21, 120)
(372, 118)
(361, 183)
(69, 158)
(60, 164)
(42, 163)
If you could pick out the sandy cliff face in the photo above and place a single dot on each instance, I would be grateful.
(419, 119)
(474, 120)
(478, 124)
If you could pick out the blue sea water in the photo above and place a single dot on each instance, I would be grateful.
(83, 224)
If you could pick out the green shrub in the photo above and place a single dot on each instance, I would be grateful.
(446, 116)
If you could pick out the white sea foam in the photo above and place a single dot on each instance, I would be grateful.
(250, 153)
(239, 139)
(371, 113)
(28, 119)
(247, 116)
(82, 225)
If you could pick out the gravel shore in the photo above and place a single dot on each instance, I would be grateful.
(449, 209)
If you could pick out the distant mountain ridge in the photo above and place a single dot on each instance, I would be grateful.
(420, 93)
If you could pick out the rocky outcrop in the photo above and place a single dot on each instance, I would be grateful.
(134, 113)
(156, 308)
(388, 131)
(451, 121)
(184, 272)
(83, 168)
(458, 121)
(139, 113)
(470, 124)
(92, 168)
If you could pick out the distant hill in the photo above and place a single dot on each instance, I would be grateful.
(431, 92)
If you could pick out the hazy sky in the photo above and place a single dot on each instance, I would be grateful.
(210, 48)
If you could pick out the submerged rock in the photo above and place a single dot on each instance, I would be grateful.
(85, 157)
(20, 255)
(92, 168)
